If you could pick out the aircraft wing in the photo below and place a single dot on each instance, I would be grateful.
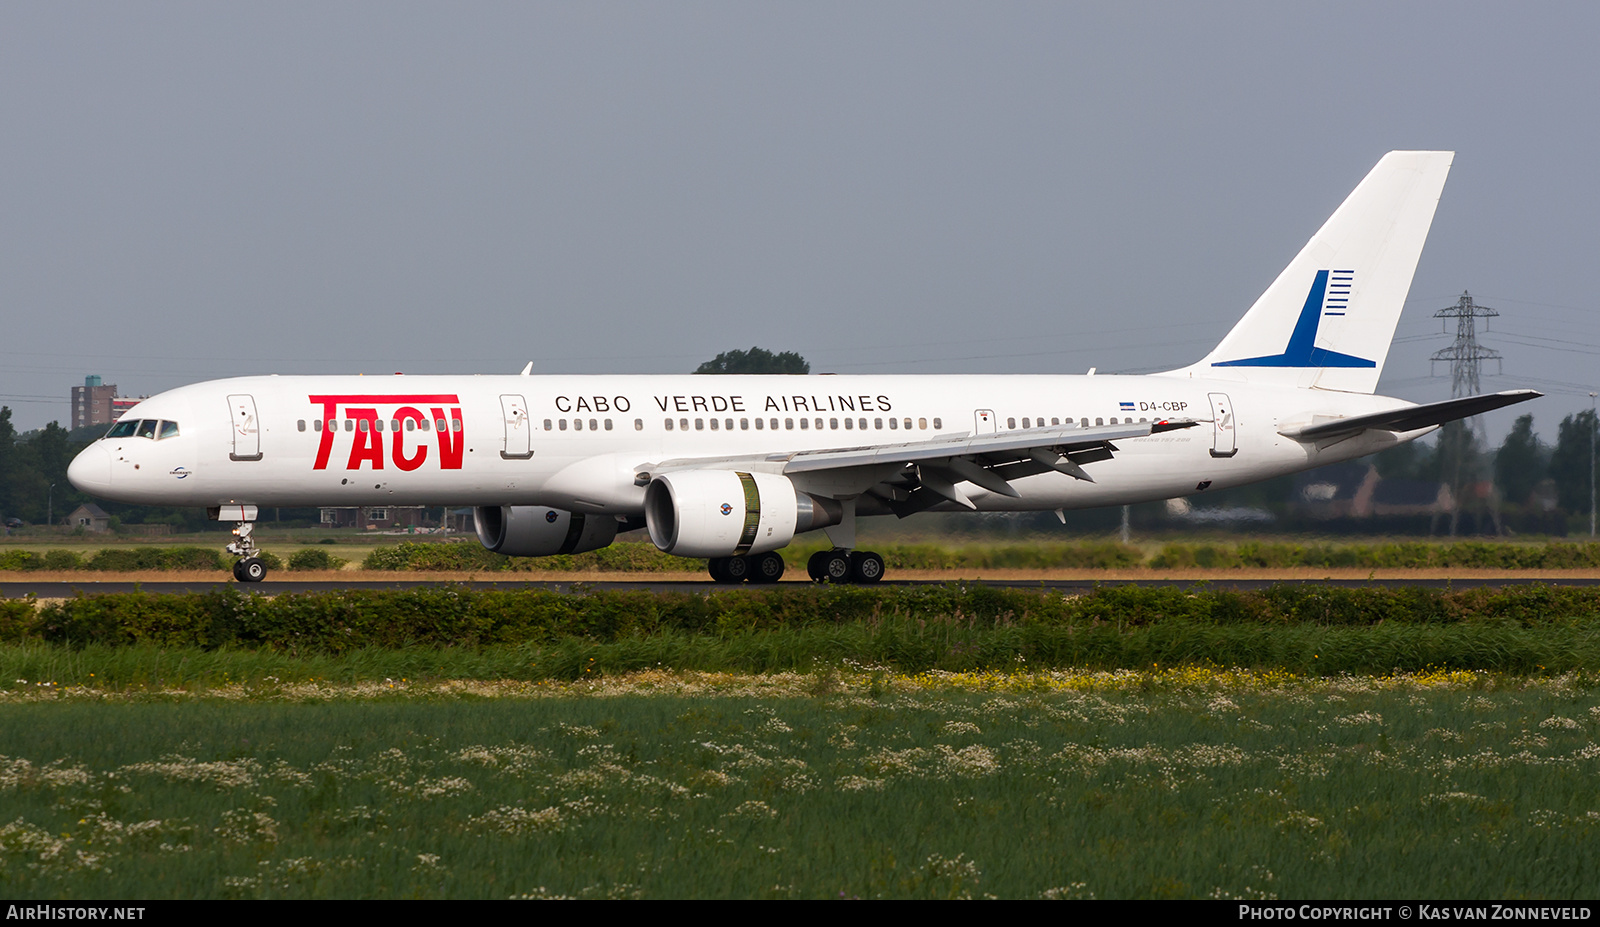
(1410, 418)
(915, 475)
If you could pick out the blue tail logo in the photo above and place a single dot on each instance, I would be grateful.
(1330, 295)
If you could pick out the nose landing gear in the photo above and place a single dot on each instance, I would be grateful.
(249, 568)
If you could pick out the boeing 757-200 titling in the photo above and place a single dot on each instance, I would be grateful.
(731, 468)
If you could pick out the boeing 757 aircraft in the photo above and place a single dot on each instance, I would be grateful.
(731, 468)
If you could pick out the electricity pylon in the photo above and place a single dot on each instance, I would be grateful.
(1466, 357)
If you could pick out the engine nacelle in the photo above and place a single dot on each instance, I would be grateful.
(723, 513)
(536, 531)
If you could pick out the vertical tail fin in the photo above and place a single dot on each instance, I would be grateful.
(1327, 320)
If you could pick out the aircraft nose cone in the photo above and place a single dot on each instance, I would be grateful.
(90, 471)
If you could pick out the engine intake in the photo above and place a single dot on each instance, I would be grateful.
(537, 531)
(724, 513)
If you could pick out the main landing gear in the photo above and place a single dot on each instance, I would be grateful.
(756, 568)
(862, 567)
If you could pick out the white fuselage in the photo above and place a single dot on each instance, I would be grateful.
(581, 442)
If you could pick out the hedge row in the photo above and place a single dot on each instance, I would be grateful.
(1470, 554)
(340, 621)
(635, 557)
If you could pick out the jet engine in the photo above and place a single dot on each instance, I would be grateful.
(726, 513)
(536, 531)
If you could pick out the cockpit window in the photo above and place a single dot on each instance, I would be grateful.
(151, 428)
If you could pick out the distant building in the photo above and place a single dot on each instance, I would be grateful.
(91, 403)
(377, 517)
(96, 403)
(90, 517)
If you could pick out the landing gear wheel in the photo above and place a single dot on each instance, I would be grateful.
(831, 566)
(729, 569)
(866, 567)
(767, 567)
(250, 570)
(814, 568)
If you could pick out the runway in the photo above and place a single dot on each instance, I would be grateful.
(57, 588)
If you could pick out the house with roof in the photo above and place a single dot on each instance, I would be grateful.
(90, 517)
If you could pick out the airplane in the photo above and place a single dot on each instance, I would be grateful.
(732, 468)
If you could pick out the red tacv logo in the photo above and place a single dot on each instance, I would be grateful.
(361, 410)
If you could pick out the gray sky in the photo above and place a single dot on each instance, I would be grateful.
(202, 190)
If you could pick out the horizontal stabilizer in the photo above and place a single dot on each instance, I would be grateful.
(1411, 418)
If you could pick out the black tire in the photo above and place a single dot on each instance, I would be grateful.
(238, 571)
(767, 567)
(866, 567)
(836, 567)
(814, 566)
(252, 570)
(737, 569)
(715, 566)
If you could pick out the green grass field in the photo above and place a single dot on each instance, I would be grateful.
(847, 781)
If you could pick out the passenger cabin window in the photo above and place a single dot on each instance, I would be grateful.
(638, 424)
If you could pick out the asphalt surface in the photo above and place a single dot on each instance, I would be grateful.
(62, 590)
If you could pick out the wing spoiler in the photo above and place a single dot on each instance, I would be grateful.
(1018, 441)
